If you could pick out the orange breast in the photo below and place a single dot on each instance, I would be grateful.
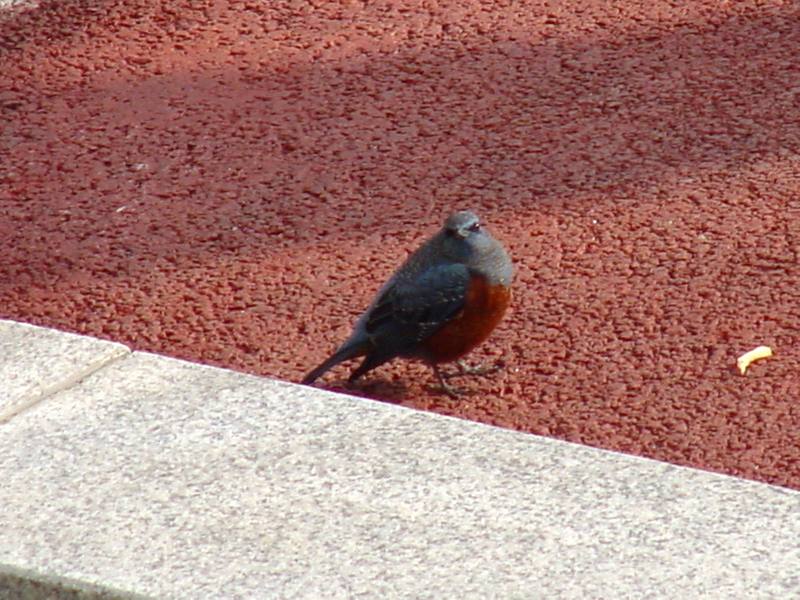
(484, 307)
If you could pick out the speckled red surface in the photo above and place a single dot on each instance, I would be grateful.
(229, 182)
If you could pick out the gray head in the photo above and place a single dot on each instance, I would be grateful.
(462, 224)
(464, 240)
(463, 237)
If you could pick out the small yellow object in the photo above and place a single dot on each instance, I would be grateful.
(755, 354)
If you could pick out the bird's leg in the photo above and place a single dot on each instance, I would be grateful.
(446, 387)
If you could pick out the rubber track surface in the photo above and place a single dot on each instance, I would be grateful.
(229, 182)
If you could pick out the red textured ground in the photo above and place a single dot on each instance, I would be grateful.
(229, 182)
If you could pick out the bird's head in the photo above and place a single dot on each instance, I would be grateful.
(464, 238)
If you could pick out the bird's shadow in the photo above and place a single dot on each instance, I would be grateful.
(375, 388)
(394, 391)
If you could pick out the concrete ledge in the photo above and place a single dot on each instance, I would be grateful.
(175, 480)
(22, 584)
(36, 362)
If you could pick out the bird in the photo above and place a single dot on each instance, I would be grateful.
(444, 300)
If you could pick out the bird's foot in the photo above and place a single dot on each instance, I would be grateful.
(466, 369)
(451, 391)
(479, 369)
(445, 387)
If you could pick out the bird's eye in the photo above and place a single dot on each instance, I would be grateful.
(475, 227)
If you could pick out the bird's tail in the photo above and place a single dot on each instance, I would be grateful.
(342, 354)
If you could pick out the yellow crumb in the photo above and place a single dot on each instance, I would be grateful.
(755, 354)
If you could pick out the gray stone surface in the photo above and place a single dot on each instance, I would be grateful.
(19, 4)
(176, 480)
(25, 584)
(36, 362)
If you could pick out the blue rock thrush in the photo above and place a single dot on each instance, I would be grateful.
(443, 301)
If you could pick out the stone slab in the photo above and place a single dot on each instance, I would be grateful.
(36, 362)
(174, 480)
(19, 4)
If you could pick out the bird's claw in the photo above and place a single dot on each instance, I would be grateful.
(445, 387)
(451, 391)
(466, 369)
(479, 369)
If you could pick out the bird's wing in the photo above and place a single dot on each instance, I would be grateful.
(407, 313)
